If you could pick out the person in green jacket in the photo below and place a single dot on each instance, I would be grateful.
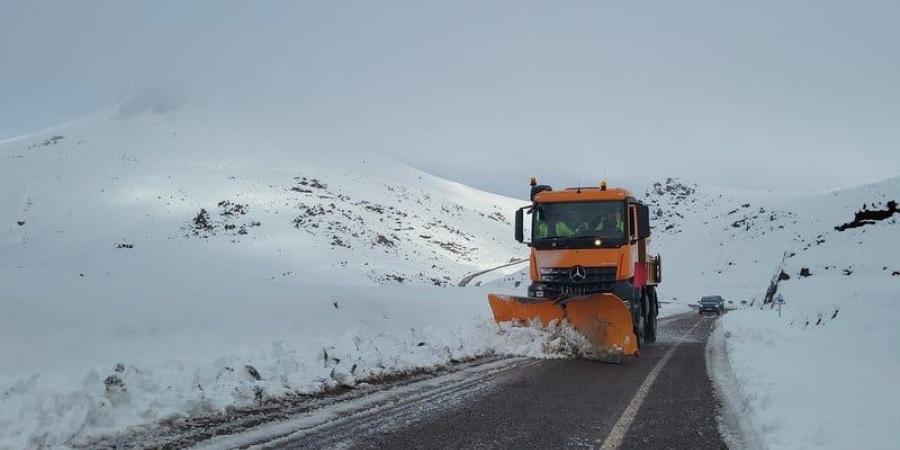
(615, 221)
(561, 230)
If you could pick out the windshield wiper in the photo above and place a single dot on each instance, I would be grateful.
(579, 241)
(553, 239)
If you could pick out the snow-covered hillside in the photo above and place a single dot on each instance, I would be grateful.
(821, 374)
(138, 188)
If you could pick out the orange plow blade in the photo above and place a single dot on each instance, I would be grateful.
(603, 319)
(509, 308)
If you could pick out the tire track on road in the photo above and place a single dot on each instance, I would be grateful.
(336, 425)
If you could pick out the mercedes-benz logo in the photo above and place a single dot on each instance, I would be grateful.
(577, 274)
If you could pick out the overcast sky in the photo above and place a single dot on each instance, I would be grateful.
(761, 94)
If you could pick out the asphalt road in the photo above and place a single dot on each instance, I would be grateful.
(663, 399)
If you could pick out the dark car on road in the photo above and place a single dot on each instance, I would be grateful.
(712, 303)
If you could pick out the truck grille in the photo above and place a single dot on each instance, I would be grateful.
(592, 275)
(581, 289)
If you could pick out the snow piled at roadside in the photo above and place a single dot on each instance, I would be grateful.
(164, 357)
(822, 375)
(830, 385)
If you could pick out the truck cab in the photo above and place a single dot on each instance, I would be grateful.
(589, 267)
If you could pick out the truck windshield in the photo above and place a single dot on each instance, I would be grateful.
(566, 221)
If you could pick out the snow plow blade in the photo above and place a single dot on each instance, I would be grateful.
(522, 310)
(603, 319)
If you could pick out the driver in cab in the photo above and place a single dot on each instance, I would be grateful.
(560, 228)
(603, 224)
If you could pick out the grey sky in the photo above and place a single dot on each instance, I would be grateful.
(761, 94)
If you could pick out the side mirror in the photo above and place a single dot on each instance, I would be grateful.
(633, 222)
(643, 213)
(520, 232)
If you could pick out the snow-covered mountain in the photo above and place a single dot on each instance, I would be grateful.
(731, 239)
(112, 194)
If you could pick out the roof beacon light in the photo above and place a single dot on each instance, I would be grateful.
(534, 181)
(603, 185)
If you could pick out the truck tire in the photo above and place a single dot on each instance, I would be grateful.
(658, 269)
(650, 323)
(639, 327)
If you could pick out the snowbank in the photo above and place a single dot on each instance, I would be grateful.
(822, 374)
(88, 365)
(816, 378)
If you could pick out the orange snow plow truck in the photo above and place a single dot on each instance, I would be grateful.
(589, 267)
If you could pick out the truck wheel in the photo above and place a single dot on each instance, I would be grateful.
(658, 269)
(639, 328)
(652, 312)
(637, 318)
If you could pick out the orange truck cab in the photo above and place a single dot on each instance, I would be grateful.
(589, 254)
